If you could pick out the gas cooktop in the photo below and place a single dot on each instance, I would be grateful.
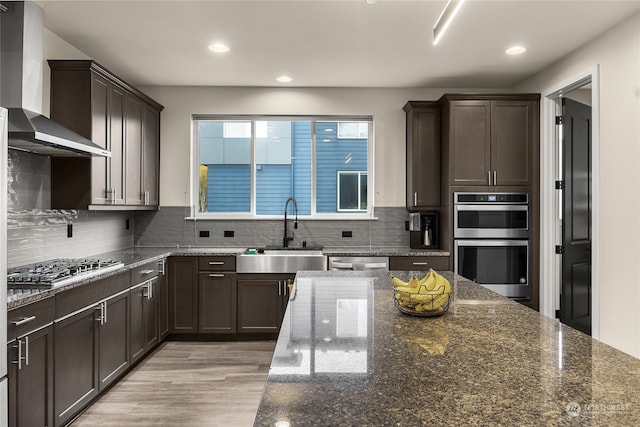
(58, 272)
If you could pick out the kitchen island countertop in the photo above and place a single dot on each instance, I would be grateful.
(346, 356)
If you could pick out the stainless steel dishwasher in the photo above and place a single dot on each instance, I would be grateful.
(358, 263)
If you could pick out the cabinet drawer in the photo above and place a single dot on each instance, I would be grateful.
(421, 263)
(74, 299)
(217, 263)
(145, 272)
(30, 317)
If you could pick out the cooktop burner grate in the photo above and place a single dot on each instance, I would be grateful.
(58, 272)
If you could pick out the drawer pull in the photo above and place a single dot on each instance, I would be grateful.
(23, 320)
(145, 272)
(420, 263)
(216, 262)
(216, 275)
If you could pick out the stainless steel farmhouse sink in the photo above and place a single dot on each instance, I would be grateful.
(281, 260)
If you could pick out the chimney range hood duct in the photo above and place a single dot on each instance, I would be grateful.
(21, 87)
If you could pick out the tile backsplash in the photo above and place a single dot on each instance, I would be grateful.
(167, 227)
(37, 233)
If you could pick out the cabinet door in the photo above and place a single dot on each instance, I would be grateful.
(423, 155)
(469, 142)
(114, 339)
(151, 315)
(183, 295)
(75, 351)
(137, 338)
(133, 149)
(513, 126)
(150, 156)
(116, 181)
(217, 306)
(262, 300)
(100, 96)
(163, 301)
(31, 382)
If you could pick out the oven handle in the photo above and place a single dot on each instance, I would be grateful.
(491, 208)
(489, 242)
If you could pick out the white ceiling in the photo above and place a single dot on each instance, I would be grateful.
(329, 43)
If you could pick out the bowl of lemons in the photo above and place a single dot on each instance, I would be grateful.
(429, 296)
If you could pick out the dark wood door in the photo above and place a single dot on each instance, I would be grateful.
(116, 170)
(575, 301)
(137, 338)
(512, 141)
(99, 134)
(114, 339)
(217, 302)
(262, 300)
(423, 155)
(150, 156)
(163, 301)
(75, 350)
(31, 382)
(133, 151)
(151, 334)
(470, 140)
(183, 295)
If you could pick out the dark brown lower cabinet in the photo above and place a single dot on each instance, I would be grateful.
(31, 380)
(113, 339)
(163, 301)
(75, 363)
(262, 300)
(183, 295)
(90, 352)
(217, 302)
(144, 318)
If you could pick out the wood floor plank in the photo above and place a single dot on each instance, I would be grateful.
(188, 384)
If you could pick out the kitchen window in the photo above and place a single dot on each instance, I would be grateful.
(248, 166)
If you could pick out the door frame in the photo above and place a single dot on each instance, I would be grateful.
(550, 263)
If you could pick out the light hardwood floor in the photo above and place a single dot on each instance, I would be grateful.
(188, 384)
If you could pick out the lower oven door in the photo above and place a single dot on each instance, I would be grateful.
(499, 265)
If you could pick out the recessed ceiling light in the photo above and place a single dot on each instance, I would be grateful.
(515, 50)
(218, 47)
(371, 1)
(284, 79)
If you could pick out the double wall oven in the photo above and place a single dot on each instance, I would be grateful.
(491, 234)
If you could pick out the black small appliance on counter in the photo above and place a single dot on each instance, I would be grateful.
(423, 230)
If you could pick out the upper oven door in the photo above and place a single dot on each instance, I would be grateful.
(491, 222)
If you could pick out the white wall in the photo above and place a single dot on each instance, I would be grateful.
(617, 53)
(384, 104)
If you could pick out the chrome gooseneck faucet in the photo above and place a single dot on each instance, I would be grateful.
(287, 239)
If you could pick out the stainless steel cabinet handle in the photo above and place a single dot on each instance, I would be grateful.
(495, 178)
(216, 262)
(145, 272)
(23, 320)
(101, 317)
(161, 263)
(26, 350)
(150, 286)
(489, 176)
(415, 198)
(419, 263)
(20, 356)
(216, 275)
(104, 304)
(145, 197)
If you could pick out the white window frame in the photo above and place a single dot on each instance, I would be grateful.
(194, 180)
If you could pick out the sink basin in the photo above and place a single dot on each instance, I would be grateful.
(281, 260)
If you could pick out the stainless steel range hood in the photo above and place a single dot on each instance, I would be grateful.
(22, 25)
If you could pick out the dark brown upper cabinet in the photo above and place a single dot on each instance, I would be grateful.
(98, 105)
(491, 140)
(423, 155)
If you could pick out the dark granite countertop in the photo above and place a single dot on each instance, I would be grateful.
(346, 356)
(136, 256)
